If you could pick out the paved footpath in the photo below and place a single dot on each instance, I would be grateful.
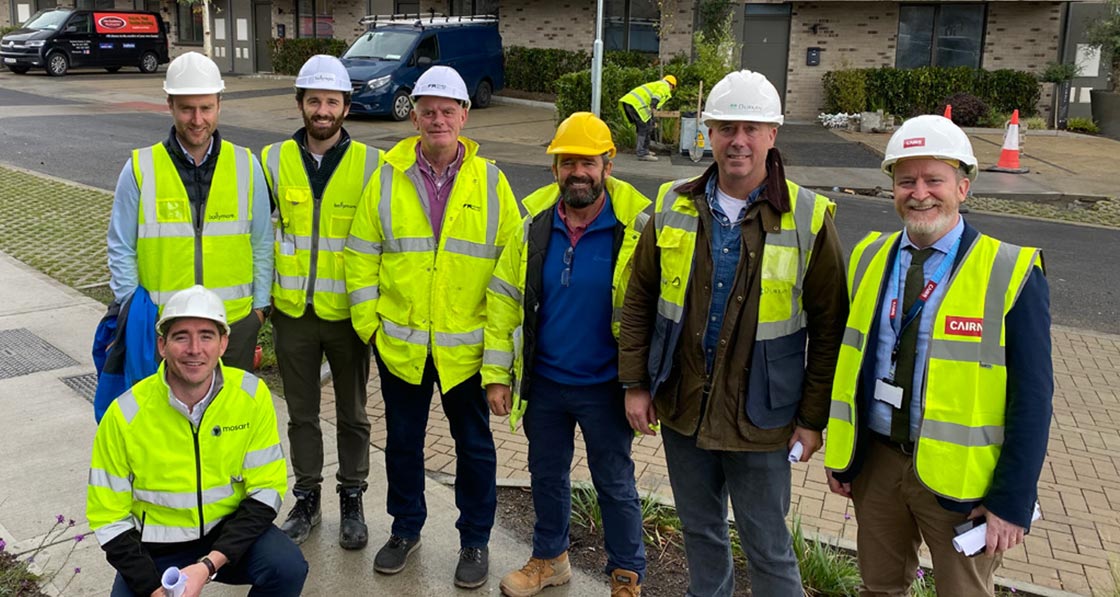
(1067, 552)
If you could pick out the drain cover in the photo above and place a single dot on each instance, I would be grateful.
(85, 385)
(22, 352)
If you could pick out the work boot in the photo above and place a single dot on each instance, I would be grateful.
(304, 515)
(352, 532)
(625, 583)
(536, 575)
(393, 556)
(474, 567)
(649, 157)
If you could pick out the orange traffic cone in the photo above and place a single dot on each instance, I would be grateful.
(949, 111)
(1009, 156)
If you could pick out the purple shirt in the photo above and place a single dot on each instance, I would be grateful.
(438, 187)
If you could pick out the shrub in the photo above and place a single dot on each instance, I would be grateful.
(909, 92)
(1082, 125)
(8, 29)
(968, 110)
(1035, 123)
(289, 54)
(537, 69)
(624, 58)
(845, 91)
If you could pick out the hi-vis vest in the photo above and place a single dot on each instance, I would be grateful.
(415, 296)
(502, 361)
(308, 231)
(965, 394)
(170, 256)
(785, 258)
(641, 98)
(153, 472)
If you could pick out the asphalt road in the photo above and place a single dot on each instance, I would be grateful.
(1083, 275)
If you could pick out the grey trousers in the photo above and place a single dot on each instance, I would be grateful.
(644, 129)
(242, 342)
(758, 484)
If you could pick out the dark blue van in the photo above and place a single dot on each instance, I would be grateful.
(385, 62)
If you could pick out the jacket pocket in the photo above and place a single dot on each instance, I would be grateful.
(296, 213)
(777, 379)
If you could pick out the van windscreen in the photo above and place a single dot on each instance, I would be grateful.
(47, 19)
(382, 45)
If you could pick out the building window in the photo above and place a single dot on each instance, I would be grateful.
(94, 4)
(940, 35)
(149, 5)
(190, 23)
(406, 7)
(316, 18)
(473, 7)
(631, 25)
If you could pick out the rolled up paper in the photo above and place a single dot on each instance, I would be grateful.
(174, 582)
(974, 541)
(796, 451)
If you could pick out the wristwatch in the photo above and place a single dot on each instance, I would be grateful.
(210, 567)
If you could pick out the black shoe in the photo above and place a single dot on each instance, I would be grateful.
(303, 517)
(474, 567)
(393, 556)
(352, 532)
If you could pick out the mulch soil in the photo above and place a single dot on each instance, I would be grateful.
(666, 568)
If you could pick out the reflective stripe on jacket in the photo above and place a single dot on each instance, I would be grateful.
(415, 296)
(642, 96)
(504, 361)
(965, 394)
(314, 230)
(153, 472)
(173, 252)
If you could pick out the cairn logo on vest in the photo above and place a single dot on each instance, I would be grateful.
(964, 326)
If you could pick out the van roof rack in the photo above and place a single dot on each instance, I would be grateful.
(432, 19)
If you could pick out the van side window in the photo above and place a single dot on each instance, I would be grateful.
(427, 48)
(80, 23)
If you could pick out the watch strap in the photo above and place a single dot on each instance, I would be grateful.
(210, 567)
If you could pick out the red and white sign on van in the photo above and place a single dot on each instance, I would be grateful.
(964, 326)
(125, 23)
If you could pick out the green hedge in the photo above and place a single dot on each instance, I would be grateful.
(537, 69)
(288, 55)
(909, 92)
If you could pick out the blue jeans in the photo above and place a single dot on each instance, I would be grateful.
(476, 462)
(274, 566)
(550, 419)
(758, 483)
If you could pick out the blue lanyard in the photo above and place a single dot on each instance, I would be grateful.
(916, 309)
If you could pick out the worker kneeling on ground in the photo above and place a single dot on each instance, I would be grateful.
(551, 333)
(638, 106)
(187, 469)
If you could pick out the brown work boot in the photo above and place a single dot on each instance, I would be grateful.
(625, 583)
(536, 575)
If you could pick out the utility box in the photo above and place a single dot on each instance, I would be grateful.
(812, 57)
(688, 134)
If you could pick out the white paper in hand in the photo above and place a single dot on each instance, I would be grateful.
(174, 582)
(796, 451)
(975, 540)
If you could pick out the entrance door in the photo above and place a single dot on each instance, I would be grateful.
(766, 42)
(262, 33)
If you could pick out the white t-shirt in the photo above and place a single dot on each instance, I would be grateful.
(732, 207)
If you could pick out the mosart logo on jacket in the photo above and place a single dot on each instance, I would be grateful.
(964, 326)
(218, 430)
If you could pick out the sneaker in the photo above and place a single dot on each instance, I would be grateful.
(474, 567)
(536, 575)
(352, 533)
(393, 556)
(649, 157)
(303, 517)
(624, 583)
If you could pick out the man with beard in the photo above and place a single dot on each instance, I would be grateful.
(941, 403)
(194, 209)
(551, 333)
(316, 178)
(429, 230)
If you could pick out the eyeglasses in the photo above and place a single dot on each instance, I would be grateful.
(566, 275)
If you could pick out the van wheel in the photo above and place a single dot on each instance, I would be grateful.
(112, 69)
(402, 105)
(483, 95)
(19, 70)
(57, 64)
(149, 62)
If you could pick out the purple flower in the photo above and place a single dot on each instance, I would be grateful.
(3, 544)
(1013, 590)
(78, 538)
(77, 571)
(847, 516)
(71, 522)
(60, 519)
(921, 573)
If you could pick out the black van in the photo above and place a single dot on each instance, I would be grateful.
(60, 38)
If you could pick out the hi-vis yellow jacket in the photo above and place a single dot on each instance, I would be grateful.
(153, 472)
(965, 395)
(503, 360)
(642, 96)
(170, 255)
(412, 295)
(310, 231)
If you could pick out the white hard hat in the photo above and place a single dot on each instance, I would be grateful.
(196, 301)
(743, 96)
(324, 72)
(930, 136)
(442, 81)
(193, 74)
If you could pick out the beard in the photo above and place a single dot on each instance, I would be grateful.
(319, 134)
(580, 198)
(925, 228)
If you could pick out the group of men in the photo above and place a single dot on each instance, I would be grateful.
(720, 315)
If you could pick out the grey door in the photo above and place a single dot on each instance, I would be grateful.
(241, 22)
(1077, 21)
(262, 33)
(766, 42)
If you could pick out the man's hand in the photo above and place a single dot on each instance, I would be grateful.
(500, 399)
(810, 442)
(844, 489)
(260, 315)
(197, 577)
(640, 411)
(1002, 535)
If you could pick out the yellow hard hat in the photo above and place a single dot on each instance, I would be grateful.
(582, 133)
(670, 79)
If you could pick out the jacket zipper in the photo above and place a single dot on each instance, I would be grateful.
(198, 479)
